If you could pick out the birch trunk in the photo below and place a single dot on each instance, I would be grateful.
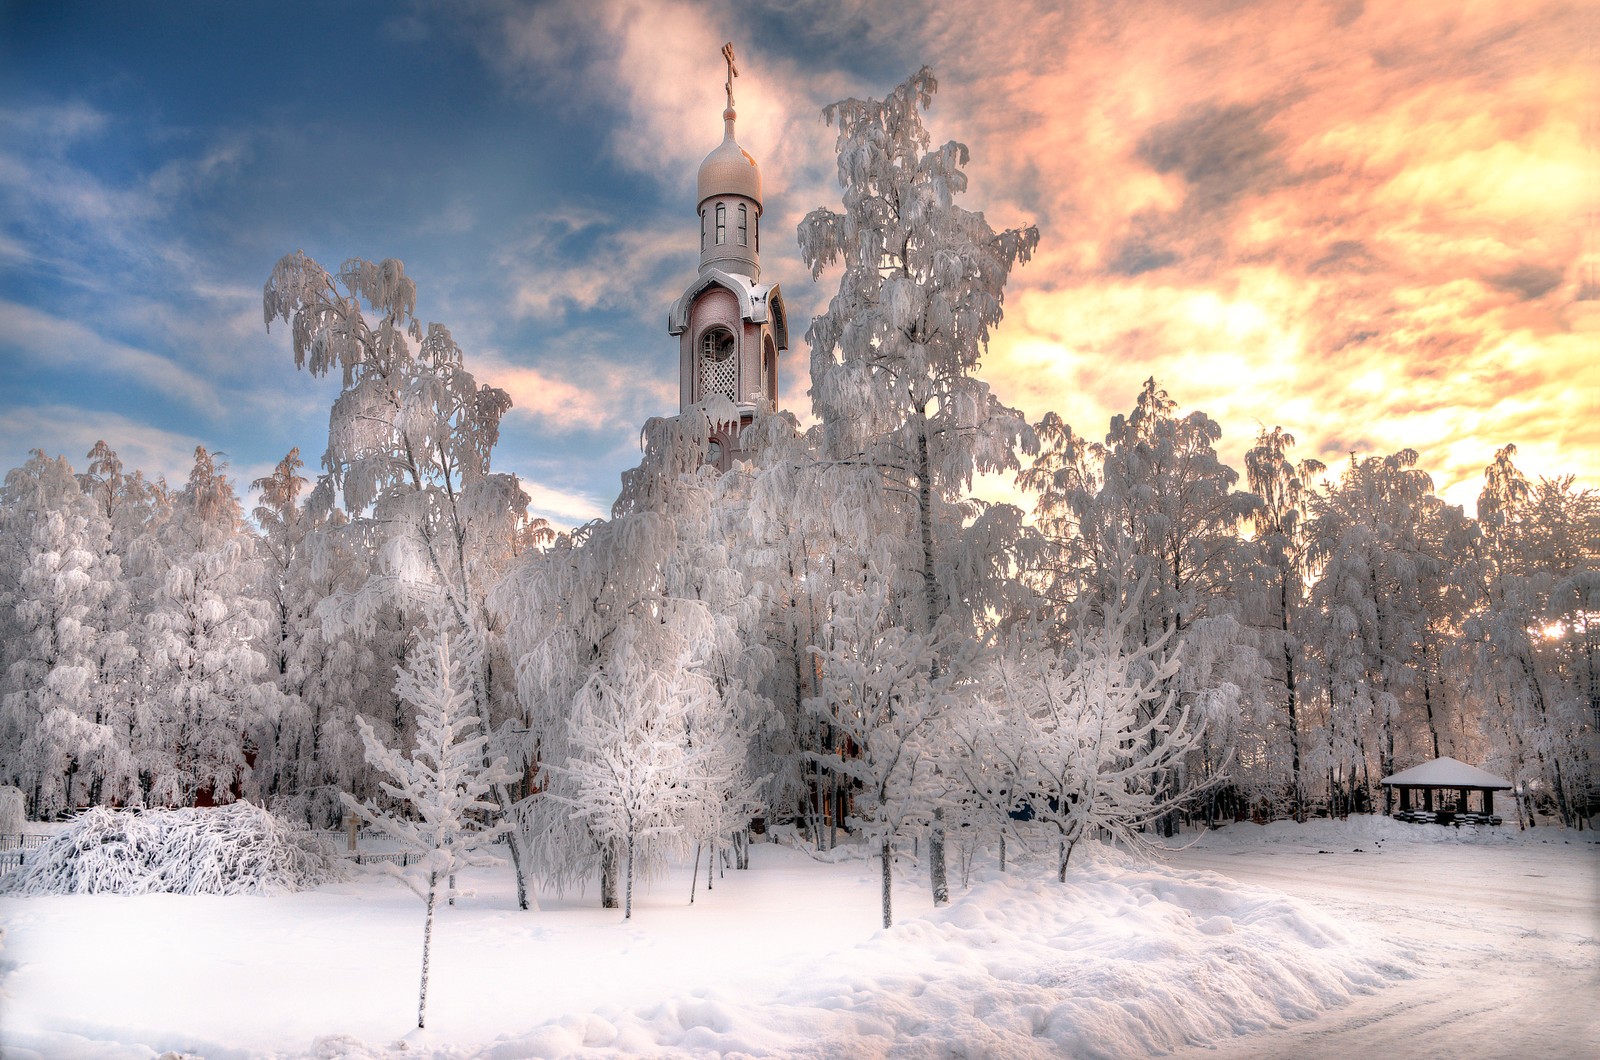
(427, 945)
(888, 883)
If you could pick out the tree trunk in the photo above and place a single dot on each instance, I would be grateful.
(937, 874)
(835, 794)
(627, 906)
(427, 945)
(1002, 852)
(1296, 789)
(936, 860)
(1063, 855)
(1427, 701)
(888, 883)
(608, 876)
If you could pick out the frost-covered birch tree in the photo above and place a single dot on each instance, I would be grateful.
(1153, 503)
(1533, 635)
(890, 704)
(630, 774)
(906, 420)
(283, 766)
(1105, 730)
(410, 440)
(1369, 543)
(439, 788)
(1282, 534)
(609, 619)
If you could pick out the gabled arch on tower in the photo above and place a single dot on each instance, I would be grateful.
(754, 298)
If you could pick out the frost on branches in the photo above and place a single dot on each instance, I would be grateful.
(440, 788)
(636, 662)
(234, 849)
(410, 440)
(207, 672)
(906, 420)
(1103, 730)
(889, 707)
(59, 704)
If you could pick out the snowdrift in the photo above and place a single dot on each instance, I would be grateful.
(1124, 960)
(1121, 961)
(237, 849)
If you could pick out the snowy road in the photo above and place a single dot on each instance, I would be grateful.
(1506, 936)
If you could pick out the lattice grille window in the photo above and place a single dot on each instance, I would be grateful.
(719, 368)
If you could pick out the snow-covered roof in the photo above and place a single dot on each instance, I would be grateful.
(1446, 773)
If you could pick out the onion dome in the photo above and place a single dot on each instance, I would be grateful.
(730, 169)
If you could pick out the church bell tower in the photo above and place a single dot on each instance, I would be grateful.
(731, 327)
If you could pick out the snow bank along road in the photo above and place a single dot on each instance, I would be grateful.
(1502, 927)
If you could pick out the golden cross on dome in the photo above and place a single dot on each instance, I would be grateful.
(733, 71)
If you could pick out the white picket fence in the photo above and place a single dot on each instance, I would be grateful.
(14, 847)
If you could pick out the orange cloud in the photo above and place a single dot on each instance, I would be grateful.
(1361, 221)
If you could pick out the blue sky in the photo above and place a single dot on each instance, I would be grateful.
(1361, 222)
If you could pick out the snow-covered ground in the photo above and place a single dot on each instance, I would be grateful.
(1400, 940)
(1501, 927)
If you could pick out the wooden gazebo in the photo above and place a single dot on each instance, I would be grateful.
(1446, 776)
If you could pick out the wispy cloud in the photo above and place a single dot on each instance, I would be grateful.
(576, 260)
(74, 431)
(579, 392)
(564, 509)
(51, 341)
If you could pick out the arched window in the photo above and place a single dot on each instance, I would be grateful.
(744, 226)
(722, 224)
(702, 229)
(719, 368)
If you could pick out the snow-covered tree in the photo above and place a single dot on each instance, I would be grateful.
(630, 775)
(208, 685)
(59, 741)
(889, 704)
(1153, 503)
(439, 788)
(906, 421)
(410, 439)
(1105, 730)
(610, 619)
(281, 741)
(1371, 547)
(1533, 634)
(1282, 535)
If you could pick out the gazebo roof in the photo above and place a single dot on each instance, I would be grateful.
(1446, 773)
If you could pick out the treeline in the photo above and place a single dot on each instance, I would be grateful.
(836, 632)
